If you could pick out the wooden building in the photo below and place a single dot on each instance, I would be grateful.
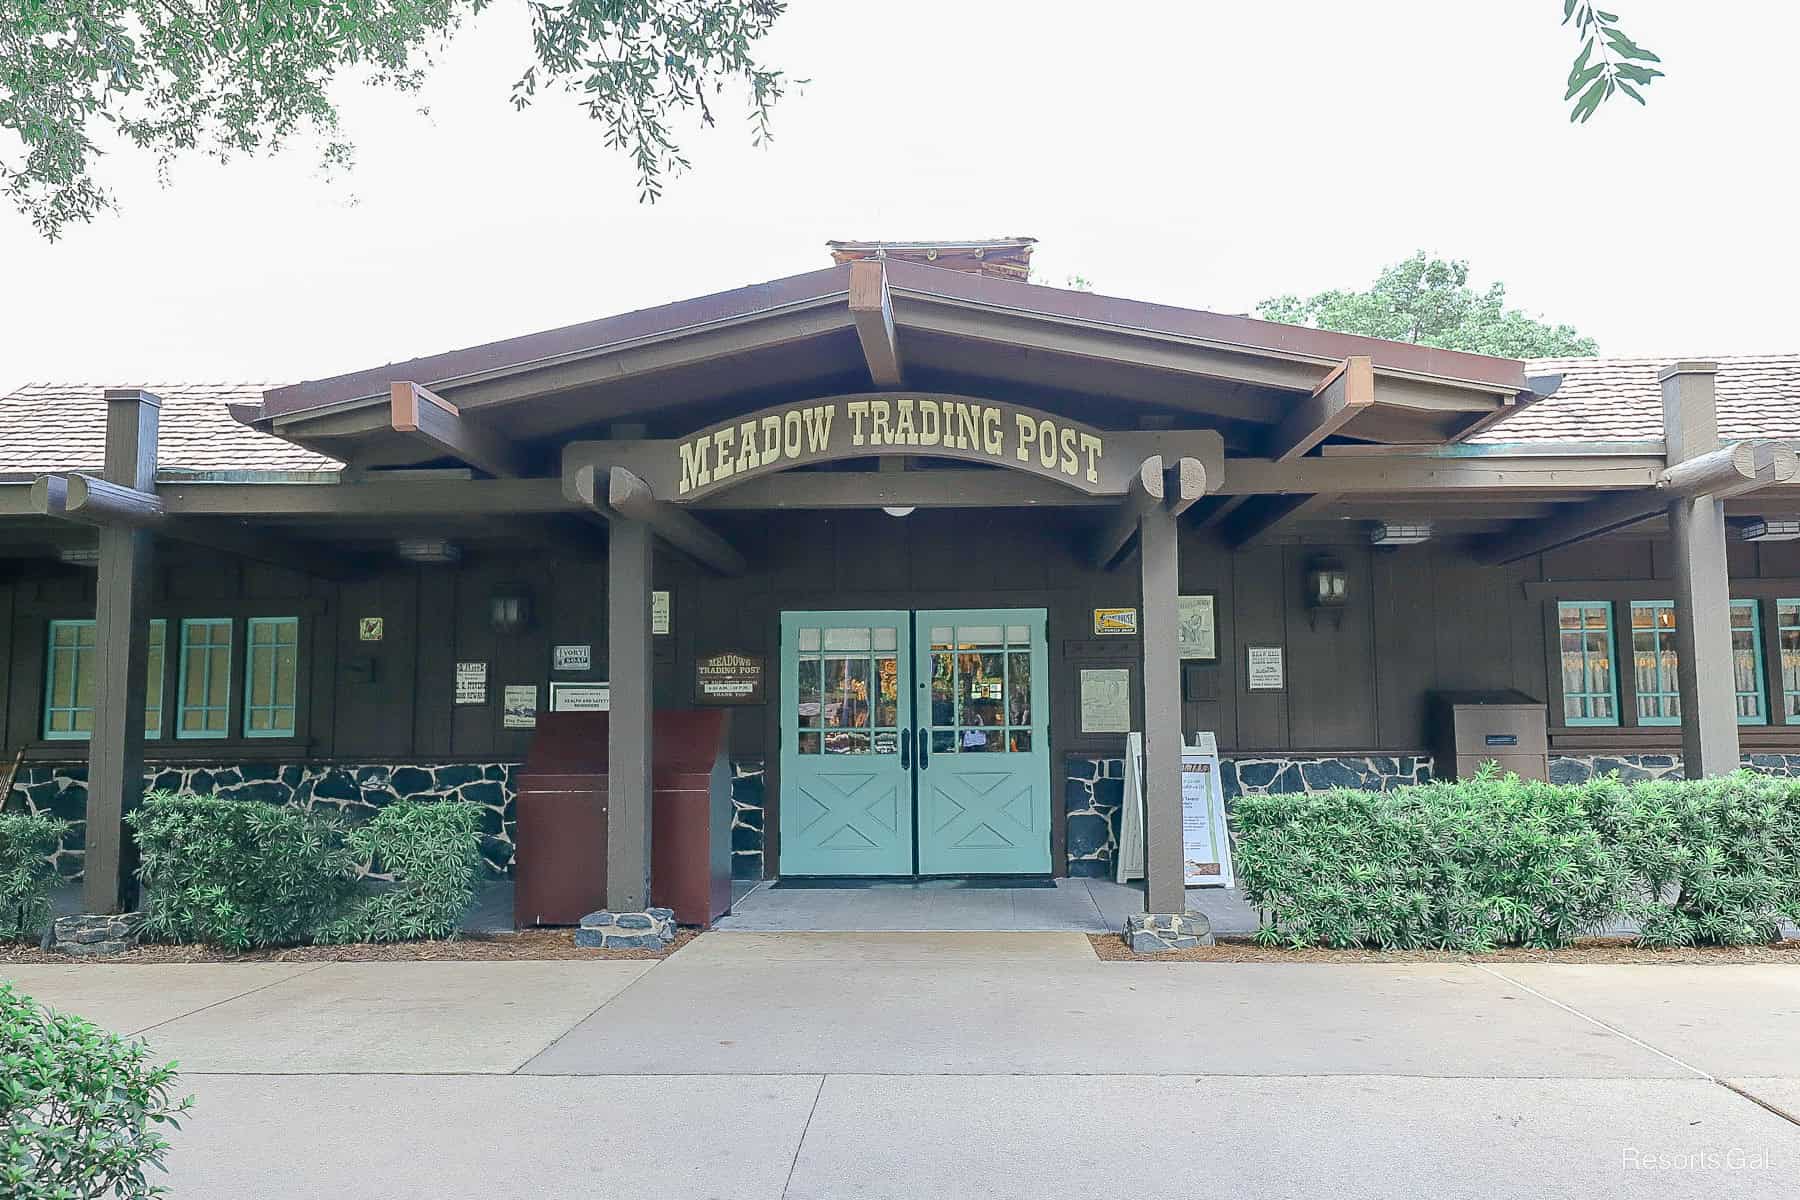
(940, 535)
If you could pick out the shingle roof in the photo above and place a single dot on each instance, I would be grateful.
(1618, 399)
(62, 427)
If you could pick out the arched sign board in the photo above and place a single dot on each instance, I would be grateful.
(1098, 462)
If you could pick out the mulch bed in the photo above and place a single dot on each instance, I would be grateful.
(1112, 948)
(531, 945)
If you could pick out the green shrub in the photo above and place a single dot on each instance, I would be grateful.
(1717, 861)
(239, 873)
(82, 1109)
(1461, 866)
(27, 871)
(432, 849)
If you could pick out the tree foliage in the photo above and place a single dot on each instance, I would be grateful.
(1609, 62)
(226, 77)
(1429, 301)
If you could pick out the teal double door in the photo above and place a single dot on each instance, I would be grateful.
(914, 743)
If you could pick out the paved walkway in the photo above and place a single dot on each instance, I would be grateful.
(965, 1064)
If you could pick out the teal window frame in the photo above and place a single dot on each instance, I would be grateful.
(1611, 693)
(182, 707)
(54, 657)
(254, 653)
(1758, 695)
(1787, 644)
(1661, 639)
(1670, 687)
(59, 658)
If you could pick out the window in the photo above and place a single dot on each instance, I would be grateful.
(1590, 689)
(1653, 659)
(1746, 662)
(1653, 654)
(270, 671)
(205, 694)
(981, 689)
(1787, 640)
(69, 683)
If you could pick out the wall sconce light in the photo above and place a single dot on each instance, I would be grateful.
(1763, 529)
(1327, 590)
(509, 610)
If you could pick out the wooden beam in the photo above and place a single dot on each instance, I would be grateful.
(872, 308)
(1261, 516)
(1184, 484)
(947, 488)
(431, 419)
(1121, 529)
(94, 501)
(1435, 472)
(414, 498)
(1734, 470)
(1340, 398)
(122, 645)
(629, 498)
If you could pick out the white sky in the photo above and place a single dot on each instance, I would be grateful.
(1200, 153)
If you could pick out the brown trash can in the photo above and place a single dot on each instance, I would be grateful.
(560, 818)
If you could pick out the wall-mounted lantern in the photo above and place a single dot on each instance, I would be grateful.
(509, 609)
(1327, 590)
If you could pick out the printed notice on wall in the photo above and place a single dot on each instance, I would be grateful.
(580, 697)
(518, 706)
(1263, 669)
(471, 683)
(659, 612)
(1106, 700)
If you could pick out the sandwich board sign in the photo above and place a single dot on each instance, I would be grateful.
(1205, 837)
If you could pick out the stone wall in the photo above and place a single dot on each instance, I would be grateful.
(1094, 790)
(355, 791)
(1579, 768)
(747, 820)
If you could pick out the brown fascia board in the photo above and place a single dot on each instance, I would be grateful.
(1219, 329)
(1126, 316)
(444, 370)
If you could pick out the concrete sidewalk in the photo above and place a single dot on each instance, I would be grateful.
(990, 1065)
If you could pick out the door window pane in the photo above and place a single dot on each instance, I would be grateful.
(980, 689)
(848, 690)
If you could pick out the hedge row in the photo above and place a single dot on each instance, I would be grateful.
(1497, 860)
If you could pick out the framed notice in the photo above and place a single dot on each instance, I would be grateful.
(1196, 635)
(580, 697)
(1106, 700)
(729, 678)
(1115, 622)
(659, 612)
(572, 657)
(518, 706)
(1265, 669)
(471, 683)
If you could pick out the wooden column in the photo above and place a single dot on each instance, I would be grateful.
(121, 642)
(630, 669)
(1158, 559)
(1709, 732)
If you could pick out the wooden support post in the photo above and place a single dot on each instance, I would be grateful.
(872, 308)
(1159, 563)
(115, 782)
(1709, 733)
(630, 668)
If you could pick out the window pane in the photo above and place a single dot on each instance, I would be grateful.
(847, 639)
(980, 635)
(205, 687)
(809, 640)
(1018, 684)
(808, 716)
(887, 639)
(887, 696)
(153, 679)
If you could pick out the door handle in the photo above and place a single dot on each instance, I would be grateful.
(924, 747)
(906, 749)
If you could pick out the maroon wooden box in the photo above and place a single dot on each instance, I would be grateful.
(560, 819)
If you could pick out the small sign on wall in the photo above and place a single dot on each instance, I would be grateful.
(580, 697)
(1106, 700)
(518, 706)
(471, 683)
(729, 678)
(572, 657)
(1197, 632)
(659, 612)
(1264, 667)
(369, 629)
(1116, 622)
